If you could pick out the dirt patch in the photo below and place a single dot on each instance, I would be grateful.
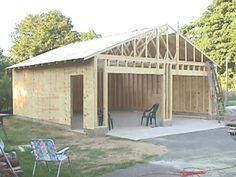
(117, 150)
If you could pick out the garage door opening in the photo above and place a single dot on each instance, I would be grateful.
(128, 96)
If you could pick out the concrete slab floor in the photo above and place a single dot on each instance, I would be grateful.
(127, 125)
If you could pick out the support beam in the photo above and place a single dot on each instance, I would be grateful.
(133, 70)
(177, 51)
(105, 94)
(185, 51)
(166, 104)
(163, 98)
(177, 47)
(157, 48)
(157, 44)
(90, 97)
(167, 91)
(135, 52)
(146, 47)
(167, 44)
(95, 89)
(122, 49)
(170, 92)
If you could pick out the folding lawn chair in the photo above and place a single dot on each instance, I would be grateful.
(45, 151)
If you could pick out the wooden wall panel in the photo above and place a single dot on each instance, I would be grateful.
(131, 91)
(45, 92)
(190, 94)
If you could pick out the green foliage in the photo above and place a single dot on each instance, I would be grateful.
(43, 32)
(40, 33)
(215, 33)
(5, 84)
(89, 35)
(5, 93)
(4, 62)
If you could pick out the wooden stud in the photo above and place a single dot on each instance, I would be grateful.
(185, 51)
(105, 94)
(177, 51)
(167, 44)
(157, 45)
(135, 53)
(170, 92)
(167, 91)
(163, 97)
(146, 47)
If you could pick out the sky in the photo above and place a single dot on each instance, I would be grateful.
(106, 17)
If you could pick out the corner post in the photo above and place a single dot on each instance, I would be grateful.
(105, 94)
(166, 106)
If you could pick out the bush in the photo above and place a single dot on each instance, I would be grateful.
(5, 93)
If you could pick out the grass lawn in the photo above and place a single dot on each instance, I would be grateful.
(90, 156)
(231, 103)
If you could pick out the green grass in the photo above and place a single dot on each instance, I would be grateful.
(90, 156)
(231, 103)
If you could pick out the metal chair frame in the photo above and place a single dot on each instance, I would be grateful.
(45, 151)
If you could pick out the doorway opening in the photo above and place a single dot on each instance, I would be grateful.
(77, 88)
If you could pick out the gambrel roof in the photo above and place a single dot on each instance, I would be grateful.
(87, 49)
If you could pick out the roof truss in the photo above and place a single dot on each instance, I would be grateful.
(161, 43)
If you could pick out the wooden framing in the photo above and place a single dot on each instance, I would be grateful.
(164, 63)
(159, 63)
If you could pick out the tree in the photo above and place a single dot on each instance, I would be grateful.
(89, 35)
(215, 31)
(5, 84)
(4, 62)
(40, 33)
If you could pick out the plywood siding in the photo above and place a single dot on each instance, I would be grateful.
(190, 94)
(77, 89)
(130, 91)
(45, 92)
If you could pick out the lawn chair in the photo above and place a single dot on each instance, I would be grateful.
(100, 119)
(7, 160)
(150, 115)
(45, 151)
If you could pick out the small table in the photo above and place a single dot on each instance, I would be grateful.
(2, 125)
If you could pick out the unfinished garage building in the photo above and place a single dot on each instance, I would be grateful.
(126, 72)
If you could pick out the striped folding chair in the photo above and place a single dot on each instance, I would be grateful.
(45, 151)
